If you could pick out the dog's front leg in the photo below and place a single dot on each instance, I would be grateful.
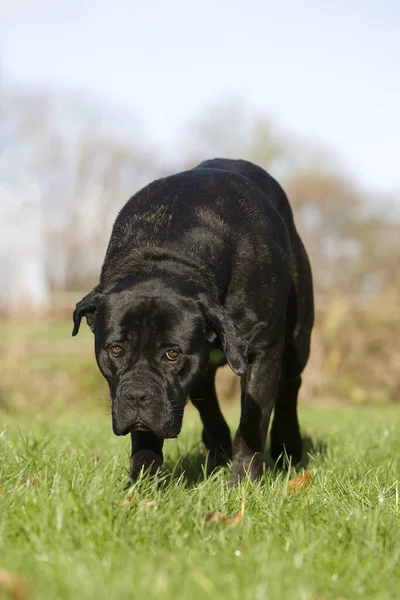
(259, 392)
(147, 456)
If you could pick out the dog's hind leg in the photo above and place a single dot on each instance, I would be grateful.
(216, 434)
(285, 430)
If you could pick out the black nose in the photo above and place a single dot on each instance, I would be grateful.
(139, 395)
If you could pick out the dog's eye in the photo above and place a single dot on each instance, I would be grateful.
(172, 355)
(116, 351)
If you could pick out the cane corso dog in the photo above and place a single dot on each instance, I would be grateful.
(204, 262)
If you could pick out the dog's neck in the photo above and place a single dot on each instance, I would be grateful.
(143, 263)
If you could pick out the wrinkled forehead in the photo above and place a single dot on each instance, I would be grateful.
(173, 319)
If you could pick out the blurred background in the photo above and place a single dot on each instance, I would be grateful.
(98, 98)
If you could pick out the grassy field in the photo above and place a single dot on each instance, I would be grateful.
(68, 529)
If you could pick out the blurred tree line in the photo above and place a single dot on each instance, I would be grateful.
(64, 174)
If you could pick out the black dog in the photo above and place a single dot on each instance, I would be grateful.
(205, 259)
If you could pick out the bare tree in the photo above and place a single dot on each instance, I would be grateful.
(56, 161)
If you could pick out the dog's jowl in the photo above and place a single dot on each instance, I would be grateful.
(206, 259)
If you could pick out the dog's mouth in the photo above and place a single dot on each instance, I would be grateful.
(168, 432)
(124, 430)
(139, 426)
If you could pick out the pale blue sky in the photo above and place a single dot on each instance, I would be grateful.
(329, 71)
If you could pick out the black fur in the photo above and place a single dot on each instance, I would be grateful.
(205, 259)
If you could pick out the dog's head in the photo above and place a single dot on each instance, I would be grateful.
(152, 345)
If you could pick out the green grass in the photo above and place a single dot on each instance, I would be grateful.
(70, 536)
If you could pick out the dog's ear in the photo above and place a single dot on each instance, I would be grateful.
(220, 324)
(86, 307)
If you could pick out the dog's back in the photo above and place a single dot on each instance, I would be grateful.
(257, 175)
(302, 302)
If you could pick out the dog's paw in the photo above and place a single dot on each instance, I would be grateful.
(285, 453)
(251, 468)
(144, 462)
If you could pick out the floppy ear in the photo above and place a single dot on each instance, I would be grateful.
(86, 307)
(234, 346)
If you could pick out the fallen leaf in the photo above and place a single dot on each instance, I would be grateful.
(302, 479)
(129, 499)
(219, 517)
(13, 584)
(31, 480)
(147, 503)
(213, 516)
(140, 503)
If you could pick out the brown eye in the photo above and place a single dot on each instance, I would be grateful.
(172, 355)
(116, 351)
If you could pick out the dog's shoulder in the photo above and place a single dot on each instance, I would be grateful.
(241, 167)
(272, 191)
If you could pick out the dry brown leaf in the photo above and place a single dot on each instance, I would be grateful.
(147, 503)
(13, 584)
(31, 480)
(218, 517)
(299, 481)
(129, 500)
(213, 516)
(140, 503)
